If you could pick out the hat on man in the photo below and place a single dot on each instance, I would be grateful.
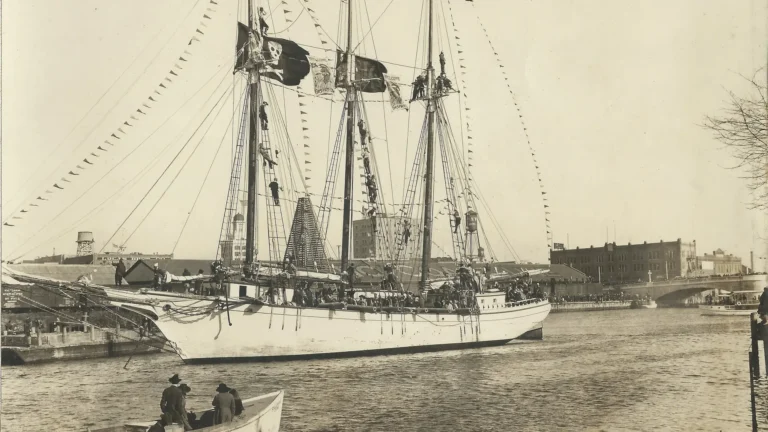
(174, 379)
(222, 388)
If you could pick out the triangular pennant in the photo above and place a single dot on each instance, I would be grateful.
(23, 211)
(206, 16)
(145, 106)
(127, 124)
(174, 73)
(7, 224)
(79, 167)
(56, 185)
(115, 136)
(87, 161)
(182, 59)
(140, 111)
(158, 93)
(198, 30)
(133, 118)
(120, 130)
(41, 198)
(100, 148)
(65, 180)
(163, 85)
(152, 99)
(94, 154)
(34, 205)
(176, 65)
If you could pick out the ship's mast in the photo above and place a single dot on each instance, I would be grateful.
(349, 160)
(253, 143)
(426, 251)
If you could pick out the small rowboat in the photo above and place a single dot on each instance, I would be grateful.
(261, 413)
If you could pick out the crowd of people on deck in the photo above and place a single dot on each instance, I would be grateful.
(227, 405)
(593, 298)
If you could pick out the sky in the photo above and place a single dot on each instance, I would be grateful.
(612, 95)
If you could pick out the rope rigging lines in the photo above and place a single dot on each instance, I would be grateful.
(525, 128)
(129, 122)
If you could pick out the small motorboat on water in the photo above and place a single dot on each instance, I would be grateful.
(737, 303)
(261, 413)
(643, 304)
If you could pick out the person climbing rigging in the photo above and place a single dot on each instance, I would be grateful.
(263, 115)
(265, 154)
(456, 221)
(442, 64)
(274, 187)
(262, 22)
(363, 131)
(406, 231)
(418, 87)
(370, 182)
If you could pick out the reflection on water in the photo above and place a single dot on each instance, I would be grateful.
(669, 369)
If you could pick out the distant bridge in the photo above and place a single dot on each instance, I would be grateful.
(675, 290)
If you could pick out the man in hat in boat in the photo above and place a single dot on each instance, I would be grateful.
(119, 272)
(224, 404)
(185, 389)
(171, 403)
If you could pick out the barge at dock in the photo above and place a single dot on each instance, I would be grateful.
(76, 345)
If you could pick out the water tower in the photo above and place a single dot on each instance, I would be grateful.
(472, 240)
(84, 243)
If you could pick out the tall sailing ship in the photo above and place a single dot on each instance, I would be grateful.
(295, 303)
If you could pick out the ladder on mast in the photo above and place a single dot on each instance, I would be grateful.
(275, 224)
(227, 222)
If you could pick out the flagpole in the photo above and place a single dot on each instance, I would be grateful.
(349, 160)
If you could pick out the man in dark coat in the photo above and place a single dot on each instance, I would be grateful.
(224, 404)
(763, 308)
(119, 272)
(171, 404)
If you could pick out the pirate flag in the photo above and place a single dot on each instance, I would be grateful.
(284, 60)
(369, 73)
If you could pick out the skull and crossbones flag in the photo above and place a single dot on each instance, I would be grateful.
(283, 60)
(369, 73)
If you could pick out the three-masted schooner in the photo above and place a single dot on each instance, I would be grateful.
(249, 317)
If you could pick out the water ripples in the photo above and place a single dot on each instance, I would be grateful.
(663, 369)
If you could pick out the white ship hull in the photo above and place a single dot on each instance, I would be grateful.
(199, 329)
(730, 310)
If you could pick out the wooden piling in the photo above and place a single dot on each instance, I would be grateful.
(752, 368)
(754, 352)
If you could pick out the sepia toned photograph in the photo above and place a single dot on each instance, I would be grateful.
(384, 215)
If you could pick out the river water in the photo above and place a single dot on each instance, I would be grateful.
(630, 370)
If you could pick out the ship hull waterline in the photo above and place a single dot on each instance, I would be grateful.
(260, 332)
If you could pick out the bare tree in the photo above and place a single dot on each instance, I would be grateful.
(743, 131)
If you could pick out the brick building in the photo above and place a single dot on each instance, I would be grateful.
(719, 264)
(366, 244)
(631, 262)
